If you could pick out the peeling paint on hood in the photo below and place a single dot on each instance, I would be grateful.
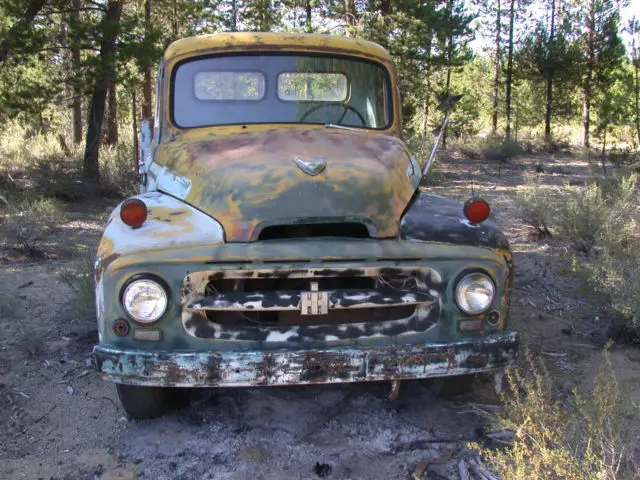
(248, 181)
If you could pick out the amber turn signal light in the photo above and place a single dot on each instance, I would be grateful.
(133, 212)
(476, 210)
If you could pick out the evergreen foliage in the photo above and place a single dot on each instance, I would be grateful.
(534, 65)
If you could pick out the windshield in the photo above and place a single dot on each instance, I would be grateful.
(276, 88)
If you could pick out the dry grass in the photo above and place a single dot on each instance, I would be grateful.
(79, 278)
(582, 437)
(582, 215)
(30, 342)
(40, 165)
(26, 224)
(537, 207)
(608, 230)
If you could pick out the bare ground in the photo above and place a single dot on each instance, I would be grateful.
(59, 420)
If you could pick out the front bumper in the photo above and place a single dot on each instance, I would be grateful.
(291, 367)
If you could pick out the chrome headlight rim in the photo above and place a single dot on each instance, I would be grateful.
(148, 277)
(468, 274)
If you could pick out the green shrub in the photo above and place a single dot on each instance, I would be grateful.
(79, 277)
(500, 150)
(30, 341)
(118, 177)
(602, 220)
(26, 224)
(583, 437)
(537, 207)
(602, 214)
(582, 215)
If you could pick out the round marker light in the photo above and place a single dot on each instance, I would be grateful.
(133, 212)
(475, 293)
(145, 300)
(476, 210)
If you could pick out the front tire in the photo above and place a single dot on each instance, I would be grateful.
(449, 387)
(146, 402)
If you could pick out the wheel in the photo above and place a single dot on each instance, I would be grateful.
(149, 402)
(448, 387)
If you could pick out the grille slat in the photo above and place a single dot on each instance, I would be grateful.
(290, 300)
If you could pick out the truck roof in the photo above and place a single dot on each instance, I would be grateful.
(256, 41)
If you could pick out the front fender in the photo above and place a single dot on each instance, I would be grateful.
(171, 224)
(433, 218)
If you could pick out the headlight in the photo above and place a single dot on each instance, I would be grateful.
(475, 293)
(145, 300)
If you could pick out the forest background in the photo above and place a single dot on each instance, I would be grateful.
(546, 72)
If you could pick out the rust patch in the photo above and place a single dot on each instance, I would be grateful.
(287, 367)
(250, 181)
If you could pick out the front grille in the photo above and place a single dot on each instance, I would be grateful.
(310, 304)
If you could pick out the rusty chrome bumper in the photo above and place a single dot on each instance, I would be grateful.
(290, 367)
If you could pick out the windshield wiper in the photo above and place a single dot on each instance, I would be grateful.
(355, 129)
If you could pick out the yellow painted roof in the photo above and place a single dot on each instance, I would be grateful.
(252, 41)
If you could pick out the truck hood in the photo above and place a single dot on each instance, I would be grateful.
(249, 181)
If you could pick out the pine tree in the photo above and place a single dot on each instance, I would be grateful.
(634, 31)
(110, 28)
(602, 51)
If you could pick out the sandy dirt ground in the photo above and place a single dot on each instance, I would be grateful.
(60, 420)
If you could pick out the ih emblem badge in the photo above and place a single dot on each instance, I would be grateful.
(311, 168)
(314, 302)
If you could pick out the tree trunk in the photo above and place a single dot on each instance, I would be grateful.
(350, 17)
(512, 16)
(636, 83)
(447, 87)
(586, 113)
(146, 85)
(603, 156)
(496, 77)
(588, 79)
(308, 26)
(110, 26)
(234, 16)
(449, 54)
(174, 19)
(549, 73)
(265, 16)
(427, 87)
(76, 104)
(112, 115)
(134, 127)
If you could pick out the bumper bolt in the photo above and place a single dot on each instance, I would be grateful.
(493, 318)
(121, 328)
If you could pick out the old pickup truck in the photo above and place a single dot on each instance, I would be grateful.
(281, 235)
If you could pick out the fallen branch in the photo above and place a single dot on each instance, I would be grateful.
(428, 444)
(423, 466)
(482, 472)
(463, 470)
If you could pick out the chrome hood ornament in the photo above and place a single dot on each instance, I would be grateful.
(311, 168)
